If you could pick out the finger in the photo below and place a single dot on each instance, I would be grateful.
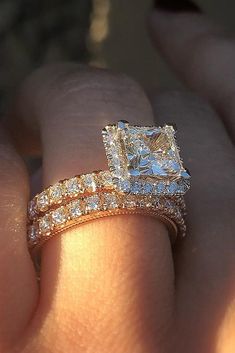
(205, 260)
(201, 54)
(18, 294)
(107, 276)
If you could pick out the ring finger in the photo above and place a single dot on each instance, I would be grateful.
(109, 275)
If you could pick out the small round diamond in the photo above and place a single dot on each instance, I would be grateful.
(115, 159)
(142, 203)
(118, 171)
(169, 205)
(92, 203)
(172, 188)
(75, 209)
(129, 201)
(33, 233)
(89, 182)
(42, 201)
(147, 188)
(56, 193)
(59, 216)
(73, 187)
(160, 187)
(136, 188)
(32, 209)
(45, 224)
(124, 185)
(110, 201)
(183, 187)
(105, 179)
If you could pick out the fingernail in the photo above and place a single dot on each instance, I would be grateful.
(177, 5)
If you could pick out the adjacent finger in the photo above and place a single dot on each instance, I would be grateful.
(198, 50)
(205, 260)
(18, 293)
(112, 277)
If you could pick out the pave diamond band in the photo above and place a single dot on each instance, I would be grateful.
(68, 189)
(145, 176)
(102, 204)
(101, 180)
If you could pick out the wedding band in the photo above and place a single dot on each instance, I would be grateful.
(146, 176)
(102, 204)
(68, 189)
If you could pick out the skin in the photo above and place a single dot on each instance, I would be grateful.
(116, 285)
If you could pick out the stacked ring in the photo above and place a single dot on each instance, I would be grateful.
(145, 176)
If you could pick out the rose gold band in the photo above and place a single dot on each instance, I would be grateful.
(68, 189)
(87, 207)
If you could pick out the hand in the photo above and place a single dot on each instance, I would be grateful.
(113, 285)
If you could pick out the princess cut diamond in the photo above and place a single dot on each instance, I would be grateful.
(149, 154)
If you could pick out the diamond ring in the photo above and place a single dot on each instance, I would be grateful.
(146, 176)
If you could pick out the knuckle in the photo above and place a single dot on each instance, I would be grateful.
(73, 86)
(69, 77)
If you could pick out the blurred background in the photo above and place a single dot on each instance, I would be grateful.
(105, 33)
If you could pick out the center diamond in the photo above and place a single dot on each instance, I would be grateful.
(151, 153)
(143, 154)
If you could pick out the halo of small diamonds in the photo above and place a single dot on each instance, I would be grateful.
(145, 155)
